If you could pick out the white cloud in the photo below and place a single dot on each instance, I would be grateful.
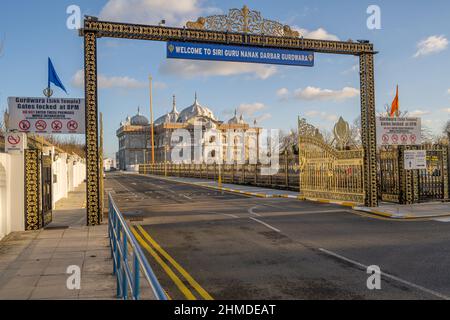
(353, 69)
(283, 93)
(159, 85)
(319, 34)
(433, 44)
(249, 109)
(446, 110)
(192, 69)
(175, 12)
(264, 117)
(313, 93)
(105, 82)
(418, 113)
(322, 115)
(448, 91)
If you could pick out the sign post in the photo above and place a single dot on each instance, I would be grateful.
(415, 159)
(398, 131)
(217, 52)
(15, 142)
(46, 115)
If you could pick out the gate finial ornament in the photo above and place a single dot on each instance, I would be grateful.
(341, 133)
(243, 21)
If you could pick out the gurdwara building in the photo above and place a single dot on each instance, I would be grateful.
(134, 135)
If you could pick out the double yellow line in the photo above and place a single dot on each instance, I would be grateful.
(158, 254)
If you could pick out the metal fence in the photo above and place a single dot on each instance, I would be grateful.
(413, 186)
(129, 260)
(286, 178)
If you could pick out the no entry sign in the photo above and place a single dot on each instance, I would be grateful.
(46, 115)
(398, 131)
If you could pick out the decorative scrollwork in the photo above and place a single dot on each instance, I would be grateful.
(243, 21)
(33, 220)
(306, 129)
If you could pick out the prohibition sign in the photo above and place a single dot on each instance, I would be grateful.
(57, 125)
(72, 125)
(24, 125)
(14, 140)
(395, 138)
(41, 125)
(404, 138)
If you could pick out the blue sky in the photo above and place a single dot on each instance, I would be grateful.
(412, 44)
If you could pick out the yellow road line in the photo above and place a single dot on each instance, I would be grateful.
(180, 269)
(186, 292)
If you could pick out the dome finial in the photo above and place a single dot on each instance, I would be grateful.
(196, 98)
(235, 112)
(139, 110)
(174, 104)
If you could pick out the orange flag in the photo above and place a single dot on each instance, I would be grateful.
(395, 106)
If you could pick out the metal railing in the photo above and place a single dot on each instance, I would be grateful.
(125, 251)
(287, 176)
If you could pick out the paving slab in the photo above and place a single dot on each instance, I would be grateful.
(411, 212)
(34, 264)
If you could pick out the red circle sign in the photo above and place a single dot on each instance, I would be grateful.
(24, 125)
(72, 125)
(14, 140)
(404, 138)
(413, 138)
(395, 138)
(385, 138)
(57, 125)
(41, 125)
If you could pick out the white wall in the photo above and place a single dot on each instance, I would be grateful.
(12, 191)
(69, 169)
(70, 172)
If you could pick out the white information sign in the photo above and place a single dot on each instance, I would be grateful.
(415, 159)
(15, 142)
(398, 131)
(46, 115)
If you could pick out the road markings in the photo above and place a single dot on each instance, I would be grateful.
(445, 220)
(387, 275)
(252, 212)
(230, 215)
(181, 286)
(205, 295)
(265, 224)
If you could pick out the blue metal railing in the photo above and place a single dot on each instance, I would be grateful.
(125, 250)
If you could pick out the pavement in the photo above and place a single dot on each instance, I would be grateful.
(437, 210)
(34, 265)
(204, 243)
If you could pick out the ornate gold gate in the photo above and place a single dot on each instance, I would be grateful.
(241, 27)
(326, 172)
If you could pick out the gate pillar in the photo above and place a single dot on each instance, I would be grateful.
(33, 218)
(368, 128)
(93, 206)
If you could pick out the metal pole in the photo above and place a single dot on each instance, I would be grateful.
(151, 121)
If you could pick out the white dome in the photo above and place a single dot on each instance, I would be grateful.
(196, 110)
(170, 117)
(139, 120)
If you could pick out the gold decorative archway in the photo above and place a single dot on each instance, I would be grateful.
(240, 27)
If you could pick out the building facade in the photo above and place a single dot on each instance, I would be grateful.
(237, 137)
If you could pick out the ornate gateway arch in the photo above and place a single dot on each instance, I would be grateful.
(240, 27)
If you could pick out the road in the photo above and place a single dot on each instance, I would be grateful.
(228, 246)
